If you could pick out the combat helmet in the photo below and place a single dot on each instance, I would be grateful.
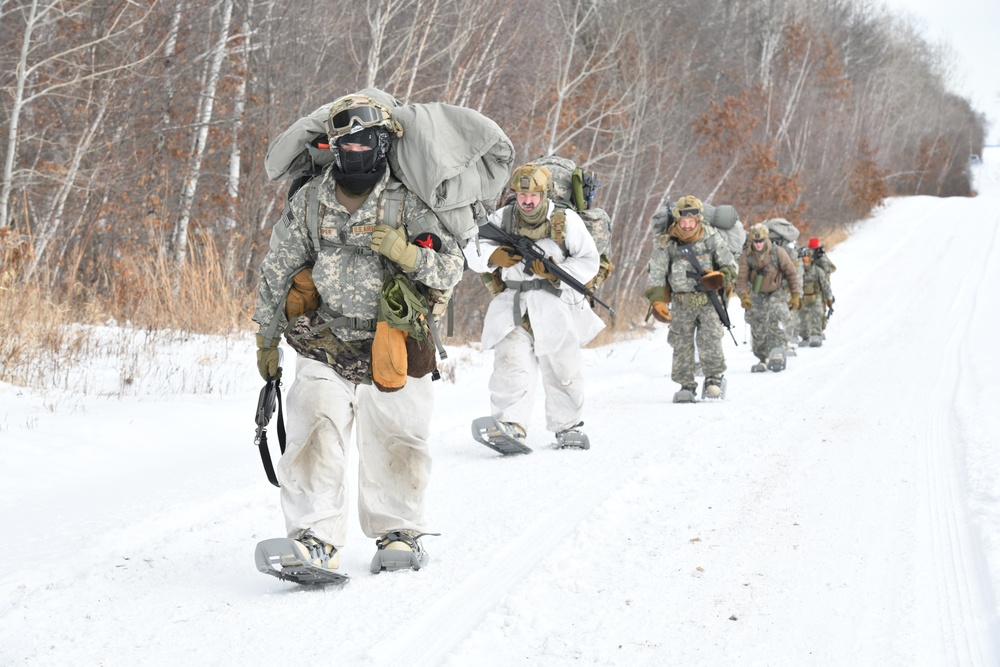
(758, 232)
(531, 177)
(687, 206)
(360, 119)
(357, 112)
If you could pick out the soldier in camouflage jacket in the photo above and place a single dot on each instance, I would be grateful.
(334, 226)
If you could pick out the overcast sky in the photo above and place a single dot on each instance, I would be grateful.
(972, 29)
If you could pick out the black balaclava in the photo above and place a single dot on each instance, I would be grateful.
(359, 171)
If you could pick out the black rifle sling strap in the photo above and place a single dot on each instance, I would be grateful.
(270, 397)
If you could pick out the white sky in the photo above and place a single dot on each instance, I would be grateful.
(972, 29)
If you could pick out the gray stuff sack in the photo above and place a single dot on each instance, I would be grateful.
(455, 159)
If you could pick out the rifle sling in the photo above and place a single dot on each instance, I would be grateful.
(265, 453)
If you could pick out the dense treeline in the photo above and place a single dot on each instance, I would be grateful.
(133, 134)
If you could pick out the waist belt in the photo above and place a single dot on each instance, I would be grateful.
(529, 286)
(337, 320)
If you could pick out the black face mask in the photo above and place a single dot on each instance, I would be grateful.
(361, 162)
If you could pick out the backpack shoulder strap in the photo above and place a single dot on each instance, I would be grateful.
(312, 213)
(390, 204)
(557, 227)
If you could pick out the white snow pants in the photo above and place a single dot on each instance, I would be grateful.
(515, 376)
(393, 454)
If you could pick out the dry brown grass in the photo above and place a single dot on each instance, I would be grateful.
(39, 328)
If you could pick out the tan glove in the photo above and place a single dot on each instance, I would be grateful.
(302, 297)
(713, 280)
(392, 243)
(661, 311)
(538, 268)
(504, 257)
(267, 358)
(745, 301)
(794, 303)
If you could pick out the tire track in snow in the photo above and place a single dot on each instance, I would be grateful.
(962, 576)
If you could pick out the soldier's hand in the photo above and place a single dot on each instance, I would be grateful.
(661, 311)
(829, 303)
(267, 358)
(794, 303)
(392, 243)
(504, 257)
(713, 280)
(745, 301)
(538, 268)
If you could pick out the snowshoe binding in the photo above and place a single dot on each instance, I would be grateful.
(759, 367)
(776, 362)
(306, 560)
(714, 389)
(815, 340)
(399, 550)
(507, 438)
(686, 395)
(572, 438)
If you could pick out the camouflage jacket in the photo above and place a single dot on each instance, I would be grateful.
(347, 274)
(666, 264)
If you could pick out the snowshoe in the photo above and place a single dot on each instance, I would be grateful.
(685, 395)
(504, 437)
(399, 550)
(776, 362)
(298, 561)
(815, 340)
(572, 438)
(714, 389)
(759, 367)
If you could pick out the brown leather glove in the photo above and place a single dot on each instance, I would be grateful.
(267, 359)
(794, 303)
(302, 297)
(504, 257)
(745, 301)
(661, 311)
(713, 280)
(538, 268)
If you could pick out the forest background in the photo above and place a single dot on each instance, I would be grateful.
(132, 134)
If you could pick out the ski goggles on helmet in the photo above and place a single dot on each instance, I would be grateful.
(688, 212)
(352, 120)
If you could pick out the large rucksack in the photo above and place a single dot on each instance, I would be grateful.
(460, 186)
(572, 188)
(723, 218)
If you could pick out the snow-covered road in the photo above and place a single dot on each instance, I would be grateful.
(843, 512)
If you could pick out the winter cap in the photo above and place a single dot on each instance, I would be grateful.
(813, 243)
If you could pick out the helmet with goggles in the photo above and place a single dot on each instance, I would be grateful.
(687, 206)
(758, 232)
(354, 113)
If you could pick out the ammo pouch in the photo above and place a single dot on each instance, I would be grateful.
(402, 346)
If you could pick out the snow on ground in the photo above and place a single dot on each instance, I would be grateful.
(843, 512)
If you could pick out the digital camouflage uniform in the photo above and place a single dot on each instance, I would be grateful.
(332, 394)
(816, 294)
(694, 318)
(768, 314)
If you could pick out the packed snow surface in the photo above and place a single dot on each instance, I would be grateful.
(845, 511)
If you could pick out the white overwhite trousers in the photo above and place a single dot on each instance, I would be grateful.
(515, 376)
(394, 461)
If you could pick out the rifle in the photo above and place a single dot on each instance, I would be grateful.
(829, 313)
(530, 251)
(270, 397)
(713, 296)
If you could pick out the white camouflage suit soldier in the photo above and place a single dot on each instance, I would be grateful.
(537, 324)
(333, 391)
